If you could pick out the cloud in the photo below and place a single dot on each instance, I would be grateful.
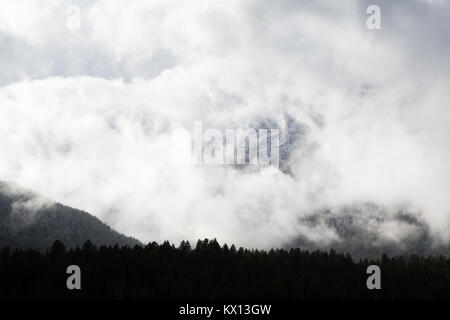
(88, 116)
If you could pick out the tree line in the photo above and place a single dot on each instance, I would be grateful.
(211, 271)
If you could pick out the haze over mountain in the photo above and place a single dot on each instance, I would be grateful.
(368, 231)
(96, 96)
(28, 220)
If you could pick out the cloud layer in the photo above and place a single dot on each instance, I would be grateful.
(89, 111)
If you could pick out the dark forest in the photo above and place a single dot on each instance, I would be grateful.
(211, 271)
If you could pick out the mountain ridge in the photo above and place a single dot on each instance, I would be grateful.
(29, 220)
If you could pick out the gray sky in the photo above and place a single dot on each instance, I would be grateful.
(92, 92)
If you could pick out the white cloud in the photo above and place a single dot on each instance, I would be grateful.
(87, 119)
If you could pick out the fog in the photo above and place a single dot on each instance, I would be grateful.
(95, 96)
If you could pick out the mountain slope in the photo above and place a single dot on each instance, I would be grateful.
(368, 231)
(28, 220)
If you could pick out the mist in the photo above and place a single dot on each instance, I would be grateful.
(94, 102)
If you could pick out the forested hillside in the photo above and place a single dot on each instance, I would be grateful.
(361, 231)
(27, 220)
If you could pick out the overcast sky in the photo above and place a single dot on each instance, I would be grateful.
(92, 93)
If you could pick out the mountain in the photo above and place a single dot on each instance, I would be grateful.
(28, 220)
(368, 231)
